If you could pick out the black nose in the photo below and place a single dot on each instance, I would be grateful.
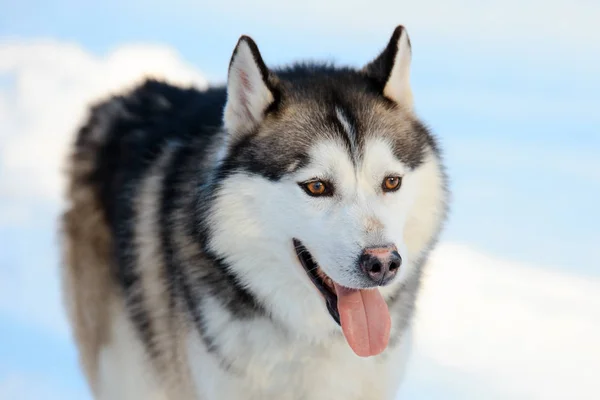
(380, 263)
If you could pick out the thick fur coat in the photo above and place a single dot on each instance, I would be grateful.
(216, 241)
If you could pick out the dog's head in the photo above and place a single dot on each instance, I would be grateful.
(330, 191)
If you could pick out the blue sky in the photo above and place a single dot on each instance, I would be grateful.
(511, 89)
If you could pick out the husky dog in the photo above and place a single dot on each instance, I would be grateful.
(263, 240)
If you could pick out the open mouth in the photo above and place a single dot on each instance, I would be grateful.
(362, 313)
(319, 279)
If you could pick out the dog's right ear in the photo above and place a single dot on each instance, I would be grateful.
(250, 90)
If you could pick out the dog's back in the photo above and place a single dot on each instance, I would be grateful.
(114, 154)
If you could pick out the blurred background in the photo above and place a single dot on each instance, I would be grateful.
(510, 308)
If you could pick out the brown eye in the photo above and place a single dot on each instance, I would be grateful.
(316, 188)
(391, 183)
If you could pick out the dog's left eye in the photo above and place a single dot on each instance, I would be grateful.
(317, 188)
(391, 183)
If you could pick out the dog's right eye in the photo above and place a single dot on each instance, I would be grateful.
(317, 188)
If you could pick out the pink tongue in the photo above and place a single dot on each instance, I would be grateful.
(365, 320)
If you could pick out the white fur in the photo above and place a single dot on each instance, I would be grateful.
(261, 217)
(272, 366)
(397, 87)
(350, 130)
(247, 94)
(124, 371)
(258, 218)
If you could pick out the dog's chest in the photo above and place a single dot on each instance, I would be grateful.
(271, 367)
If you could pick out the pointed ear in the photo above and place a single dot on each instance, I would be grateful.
(391, 69)
(249, 91)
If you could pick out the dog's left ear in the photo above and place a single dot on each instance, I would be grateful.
(249, 89)
(391, 69)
